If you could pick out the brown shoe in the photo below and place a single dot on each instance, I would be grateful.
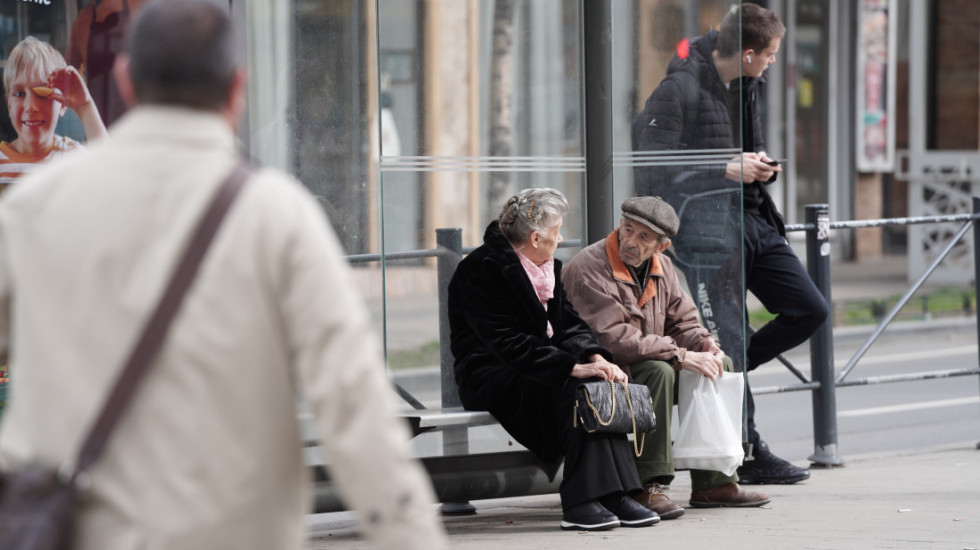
(728, 496)
(654, 498)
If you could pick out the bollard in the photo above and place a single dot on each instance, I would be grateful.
(455, 441)
(449, 241)
(822, 341)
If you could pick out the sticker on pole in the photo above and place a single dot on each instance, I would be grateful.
(823, 227)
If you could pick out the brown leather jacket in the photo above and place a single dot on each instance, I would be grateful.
(634, 324)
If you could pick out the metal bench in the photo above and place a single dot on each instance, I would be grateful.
(430, 420)
(456, 478)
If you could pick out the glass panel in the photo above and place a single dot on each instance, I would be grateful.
(313, 111)
(678, 133)
(480, 99)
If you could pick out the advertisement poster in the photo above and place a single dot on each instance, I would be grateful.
(56, 58)
(875, 96)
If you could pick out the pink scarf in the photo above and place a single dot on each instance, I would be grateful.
(542, 279)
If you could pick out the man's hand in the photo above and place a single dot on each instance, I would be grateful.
(599, 368)
(750, 167)
(764, 157)
(712, 347)
(703, 362)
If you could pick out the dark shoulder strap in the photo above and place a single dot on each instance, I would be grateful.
(141, 357)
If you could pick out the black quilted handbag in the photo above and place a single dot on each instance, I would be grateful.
(616, 408)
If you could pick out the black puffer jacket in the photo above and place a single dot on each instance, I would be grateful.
(505, 361)
(693, 110)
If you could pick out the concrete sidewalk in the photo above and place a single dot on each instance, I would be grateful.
(920, 500)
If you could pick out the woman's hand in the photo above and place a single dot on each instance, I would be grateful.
(599, 368)
(703, 362)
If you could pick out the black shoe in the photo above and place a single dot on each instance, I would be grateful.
(588, 516)
(769, 469)
(630, 512)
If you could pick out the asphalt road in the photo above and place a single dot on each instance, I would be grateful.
(881, 418)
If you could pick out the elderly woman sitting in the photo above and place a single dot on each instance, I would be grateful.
(521, 351)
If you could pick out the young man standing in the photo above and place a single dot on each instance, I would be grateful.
(709, 104)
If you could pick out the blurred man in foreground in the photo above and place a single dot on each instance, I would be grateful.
(208, 455)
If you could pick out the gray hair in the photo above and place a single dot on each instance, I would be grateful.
(531, 210)
(182, 52)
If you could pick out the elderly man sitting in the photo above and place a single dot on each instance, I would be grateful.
(628, 292)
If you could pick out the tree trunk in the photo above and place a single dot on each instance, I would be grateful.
(501, 97)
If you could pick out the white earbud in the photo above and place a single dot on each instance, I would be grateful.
(748, 59)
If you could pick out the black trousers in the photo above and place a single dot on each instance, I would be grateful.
(540, 418)
(596, 464)
(775, 275)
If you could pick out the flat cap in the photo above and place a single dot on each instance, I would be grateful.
(652, 212)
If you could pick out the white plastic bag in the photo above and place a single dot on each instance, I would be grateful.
(709, 434)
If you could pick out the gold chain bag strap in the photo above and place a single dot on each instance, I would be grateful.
(37, 504)
(596, 410)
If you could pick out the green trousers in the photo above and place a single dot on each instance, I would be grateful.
(657, 460)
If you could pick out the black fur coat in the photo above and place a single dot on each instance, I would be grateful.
(505, 362)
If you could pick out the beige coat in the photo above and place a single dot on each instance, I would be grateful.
(635, 324)
(209, 455)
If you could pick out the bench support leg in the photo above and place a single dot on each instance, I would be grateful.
(457, 509)
(455, 441)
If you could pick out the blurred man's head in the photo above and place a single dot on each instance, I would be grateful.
(183, 53)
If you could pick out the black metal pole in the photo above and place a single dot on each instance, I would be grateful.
(976, 265)
(822, 341)
(597, 21)
(455, 441)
